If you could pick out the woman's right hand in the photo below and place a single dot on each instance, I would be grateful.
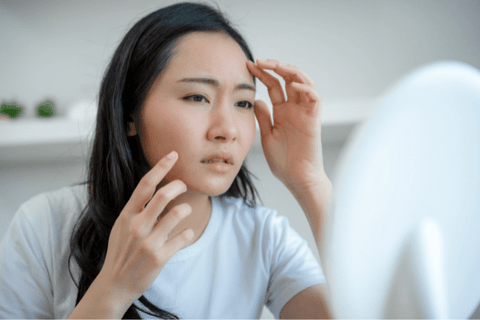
(138, 247)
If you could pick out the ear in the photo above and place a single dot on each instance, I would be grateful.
(132, 131)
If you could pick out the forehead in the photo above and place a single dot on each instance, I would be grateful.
(208, 54)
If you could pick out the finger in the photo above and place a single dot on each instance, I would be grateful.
(264, 119)
(288, 72)
(177, 243)
(148, 184)
(273, 85)
(162, 197)
(169, 221)
(313, 98)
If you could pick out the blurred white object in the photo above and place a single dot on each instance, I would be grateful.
(83, 110)
(403, 238)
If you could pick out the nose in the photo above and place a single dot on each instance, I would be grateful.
(223, 126)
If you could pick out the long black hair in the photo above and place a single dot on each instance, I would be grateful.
(117, 161)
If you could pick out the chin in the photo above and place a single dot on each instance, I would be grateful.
(214, 191)
(211, 188)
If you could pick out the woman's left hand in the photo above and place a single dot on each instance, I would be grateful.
(292, 144)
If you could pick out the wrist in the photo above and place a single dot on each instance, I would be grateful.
(311, 186)
(315, 199)
(118, 299)
(102, 300)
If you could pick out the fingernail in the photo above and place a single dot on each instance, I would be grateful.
(260, 60)
(172, 155)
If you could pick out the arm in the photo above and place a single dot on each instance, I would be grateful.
(311, 303)
(315, 202)
(308, 304)
(292, 147)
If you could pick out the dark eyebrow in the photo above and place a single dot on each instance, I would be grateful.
(215, 83)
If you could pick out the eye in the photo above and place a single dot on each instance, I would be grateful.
(244, 104)
(196, 98)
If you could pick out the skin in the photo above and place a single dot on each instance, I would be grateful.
(192, 120)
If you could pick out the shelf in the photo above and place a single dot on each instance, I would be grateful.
(27, 132)
(27, 140)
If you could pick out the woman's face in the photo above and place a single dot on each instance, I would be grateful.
(202, 107)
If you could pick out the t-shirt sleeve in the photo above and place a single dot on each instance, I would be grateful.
(293, 269)
(25, 289)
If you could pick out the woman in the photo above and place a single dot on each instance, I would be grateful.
(167, 225)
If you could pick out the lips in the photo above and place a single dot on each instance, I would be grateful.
(220, 157)
(215, 160)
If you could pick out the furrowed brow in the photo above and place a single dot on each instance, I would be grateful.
(211, 82)
(215, 83)
(245, 86)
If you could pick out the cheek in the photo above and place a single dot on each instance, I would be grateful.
(166, 131)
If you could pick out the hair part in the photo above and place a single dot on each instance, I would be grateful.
(117, 161)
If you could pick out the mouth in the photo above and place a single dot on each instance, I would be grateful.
(223, 158)
(214, 160)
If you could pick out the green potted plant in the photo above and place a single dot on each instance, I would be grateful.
(46, 109)
(11, 110)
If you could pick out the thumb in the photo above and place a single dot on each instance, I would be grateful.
(263, 116)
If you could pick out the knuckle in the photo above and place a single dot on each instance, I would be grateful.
(162, 195)
(137, 230)
(164, 163)
(153, 252)
(275, 84)
(164, 237)
(178, 213)
(148, 251)
(148, 181)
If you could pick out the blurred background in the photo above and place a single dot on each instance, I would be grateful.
(354, 50)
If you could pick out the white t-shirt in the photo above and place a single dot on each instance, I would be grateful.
(245, 259)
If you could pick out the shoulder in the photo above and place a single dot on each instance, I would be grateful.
(56, 207)
(44, 224)
(70, 196)
(49, 218)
